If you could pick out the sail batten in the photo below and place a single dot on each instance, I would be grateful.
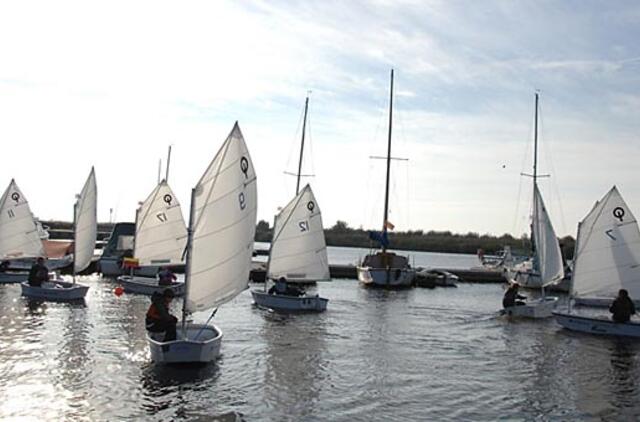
(298, 242)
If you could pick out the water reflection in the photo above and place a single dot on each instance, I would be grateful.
(623, 375)
(295, 363)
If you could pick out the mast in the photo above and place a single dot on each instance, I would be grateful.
(535, 169)
(187, 265)
(304, 127)
(75, 243)
(166, 178)
(386, 192)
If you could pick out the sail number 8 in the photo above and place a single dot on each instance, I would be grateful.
(242, 201)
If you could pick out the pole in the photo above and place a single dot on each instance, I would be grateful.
(187, 265)
(304, 129)
(386, 192)
(166, 178)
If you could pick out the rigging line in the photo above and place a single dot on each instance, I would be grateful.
(549, 157)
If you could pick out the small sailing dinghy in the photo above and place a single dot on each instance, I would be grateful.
(386, 269)
(298, 253)
(607, 259)
(548, 263)
(85, 229)
(222, 223)
(19, 237)
(161, 235)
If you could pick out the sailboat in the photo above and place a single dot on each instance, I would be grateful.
(85, 229)
(220, 236)
(298, 251)
(386, 269)
(546, 266)
(19, 236)
(161, 235)
(606, 259)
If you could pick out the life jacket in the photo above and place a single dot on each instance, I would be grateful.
(153, 313)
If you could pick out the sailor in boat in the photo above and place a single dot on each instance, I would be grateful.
(512, 297)
(622, 307)
(283, 288)
(166, 277)
(39, 273)
(4, 266)
(159, 319)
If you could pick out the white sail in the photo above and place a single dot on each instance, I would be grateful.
(223, 227)
(298, 249)
(18, 232)
(548, 254)
(161, 233)
(86, 224)
(607, 257)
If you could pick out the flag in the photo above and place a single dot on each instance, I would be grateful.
(379, 237)
(389, 225)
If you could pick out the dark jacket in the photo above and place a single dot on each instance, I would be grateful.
(38, 274)
(622, 308)
(510, 297)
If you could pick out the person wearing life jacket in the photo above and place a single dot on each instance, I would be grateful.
(166, 277)
(159, 319)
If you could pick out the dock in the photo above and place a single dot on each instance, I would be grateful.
(479, 275)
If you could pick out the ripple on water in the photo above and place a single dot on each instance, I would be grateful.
(417, 354)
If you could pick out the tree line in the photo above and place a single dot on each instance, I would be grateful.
(431, 241)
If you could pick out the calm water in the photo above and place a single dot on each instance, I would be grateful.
(411, 355)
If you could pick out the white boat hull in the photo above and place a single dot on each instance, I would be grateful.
(599, 326)
(598, 302)
(393, 278)
(201, 345)
(13, 277)
(56, 290)
(289, 303)
(148, 285)
(540, 308)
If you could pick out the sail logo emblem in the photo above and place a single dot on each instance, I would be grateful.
(168, 198)
(244, 166)
(310, 206)
(15, 196)
(618, 212)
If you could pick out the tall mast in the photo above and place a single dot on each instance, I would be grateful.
(535, 171)
(304, 128)
(166, 178)
(535, 144)
(386, 192)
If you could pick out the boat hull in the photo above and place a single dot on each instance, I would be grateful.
(148, 285)
(600, 326)
(201, 345)
(56, 290)
(289, 303)
(112, 267)
(541, 308)
(393, 278)
(13, 277)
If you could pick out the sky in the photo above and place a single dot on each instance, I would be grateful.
(113, 84)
